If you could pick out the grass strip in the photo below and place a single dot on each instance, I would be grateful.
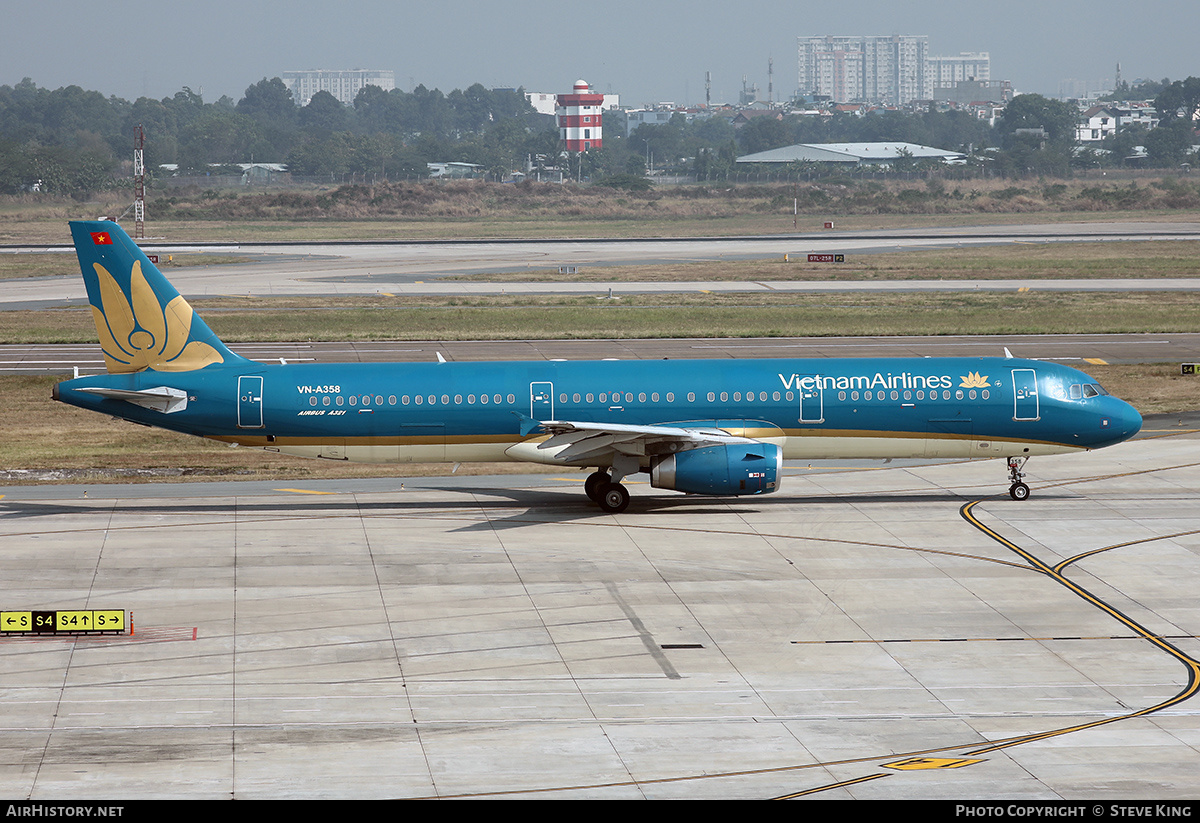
(660, 316)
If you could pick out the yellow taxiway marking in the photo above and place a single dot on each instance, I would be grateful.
(841, 785)
(1095, 361)
(625, 482)
(303, 491)
(1061, 638)
(810, 467)
(1191, 664)
(932, 763)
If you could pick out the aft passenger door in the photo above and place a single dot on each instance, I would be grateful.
(249, 407)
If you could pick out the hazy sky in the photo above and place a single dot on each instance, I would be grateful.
(646, 51)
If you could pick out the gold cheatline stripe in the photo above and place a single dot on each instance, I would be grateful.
(260, 440)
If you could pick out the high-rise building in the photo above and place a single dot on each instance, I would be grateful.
(885, 69)
(944, 72)
(344, 85)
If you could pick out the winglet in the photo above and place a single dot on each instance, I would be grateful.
(143, 323)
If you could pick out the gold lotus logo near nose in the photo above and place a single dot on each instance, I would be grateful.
(974, 381)
(140, 333)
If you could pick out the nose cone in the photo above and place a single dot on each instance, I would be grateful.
(1129, 420)
(1119, 421)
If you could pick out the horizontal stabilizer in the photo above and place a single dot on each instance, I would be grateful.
(162, 398)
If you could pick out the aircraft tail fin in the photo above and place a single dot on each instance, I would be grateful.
(142, 321)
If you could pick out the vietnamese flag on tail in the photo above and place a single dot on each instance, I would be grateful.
(102, 238)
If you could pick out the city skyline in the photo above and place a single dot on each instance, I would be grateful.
(647, 53)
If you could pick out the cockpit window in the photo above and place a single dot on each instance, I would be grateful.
(1080, 391)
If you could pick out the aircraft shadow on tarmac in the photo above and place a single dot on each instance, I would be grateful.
(542, 505)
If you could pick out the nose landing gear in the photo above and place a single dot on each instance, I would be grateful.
(1018, 490)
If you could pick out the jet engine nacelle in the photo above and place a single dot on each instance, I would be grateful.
(733, 469)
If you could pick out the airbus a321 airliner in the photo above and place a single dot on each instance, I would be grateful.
(712, 427)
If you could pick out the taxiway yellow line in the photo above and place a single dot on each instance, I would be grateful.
(1192, 665)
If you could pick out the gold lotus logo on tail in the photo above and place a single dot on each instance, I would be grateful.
(140, 333)
(974, 381)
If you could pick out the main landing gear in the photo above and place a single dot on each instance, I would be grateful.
(608, 494)
(1018, 490)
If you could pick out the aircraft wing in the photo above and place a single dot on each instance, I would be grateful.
(574, 442)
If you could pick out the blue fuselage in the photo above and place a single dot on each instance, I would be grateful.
(429, 412)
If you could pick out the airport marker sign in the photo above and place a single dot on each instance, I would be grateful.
(74, 621)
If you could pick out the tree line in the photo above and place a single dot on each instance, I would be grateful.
(72, 141)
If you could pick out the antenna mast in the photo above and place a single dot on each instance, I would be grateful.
(139, 183)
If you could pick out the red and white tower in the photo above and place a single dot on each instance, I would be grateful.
(579, 118)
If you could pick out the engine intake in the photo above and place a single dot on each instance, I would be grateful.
(732, 469)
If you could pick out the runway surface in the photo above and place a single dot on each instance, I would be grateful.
(413, 268)
(864, 633)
